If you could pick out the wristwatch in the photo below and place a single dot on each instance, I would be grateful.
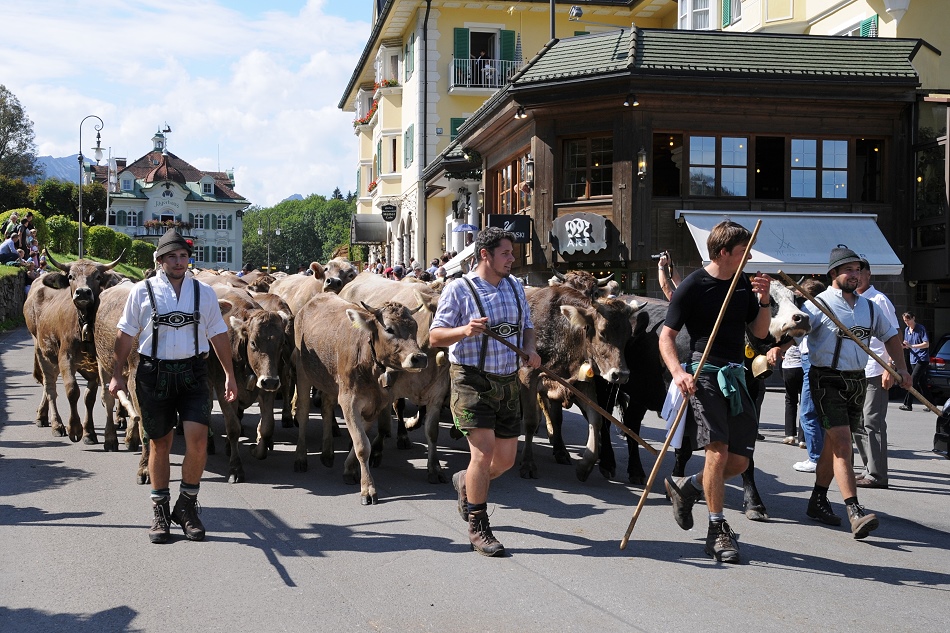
(765, 305)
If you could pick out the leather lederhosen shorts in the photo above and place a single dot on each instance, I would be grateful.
(169, 390)
(485, 401)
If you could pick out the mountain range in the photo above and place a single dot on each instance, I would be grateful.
(65, 168)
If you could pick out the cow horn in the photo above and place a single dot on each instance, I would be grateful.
(603, 282)
(49, 256)
(115, 263)
(557, 274)
(422, 302)
(373, 310)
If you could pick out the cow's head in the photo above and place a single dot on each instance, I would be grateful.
(261, 337)
(606, 327)
(84, 278)
(337, 273)
(582, 281)
(392, 335)
(787, 318)
(262, 283)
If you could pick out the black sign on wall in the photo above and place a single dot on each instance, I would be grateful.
(389, 212)
(520, 225)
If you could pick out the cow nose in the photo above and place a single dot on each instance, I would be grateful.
(268, 383)
(333, 284)
(416, 361)
(83, 294)
(617, 376)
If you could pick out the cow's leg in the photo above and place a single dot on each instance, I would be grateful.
(301, 413)
(42, 411)
(633, 419)
(554, 414)
(384, 424)
(432, 413)
(265, 428)
(751, 501)
(588, 459)
(111, 441)
(607, 461)
(50, 376)
(74, 429)
(88, 425)
(233, 428)
(402, 433)
(359, 453)
(330, 428)
(287, 380)
(531, 414)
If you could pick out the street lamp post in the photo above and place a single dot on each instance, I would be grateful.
(260, 233)
(98, 155)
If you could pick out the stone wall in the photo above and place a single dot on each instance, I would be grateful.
(12, 296)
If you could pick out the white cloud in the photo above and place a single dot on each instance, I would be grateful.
(260, 91)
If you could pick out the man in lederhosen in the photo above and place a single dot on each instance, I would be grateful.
(485, 398)
(177, 316)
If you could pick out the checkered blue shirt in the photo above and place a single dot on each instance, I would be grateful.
(457, 307)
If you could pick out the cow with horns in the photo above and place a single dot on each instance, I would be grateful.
(60, 315)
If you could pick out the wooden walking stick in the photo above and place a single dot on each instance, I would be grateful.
(847, 332)
(577, 392)
(682, 409)
(124, 400)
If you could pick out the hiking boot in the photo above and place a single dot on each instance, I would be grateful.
(481, 537)
(722, 543)
(819, 509)
(159, 531)
(683, 495)
(458, 480)
(862, 523)
(185, 514)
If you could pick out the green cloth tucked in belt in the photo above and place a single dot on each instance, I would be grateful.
(730, 378)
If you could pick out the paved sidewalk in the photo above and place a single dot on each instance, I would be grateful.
(296, 552)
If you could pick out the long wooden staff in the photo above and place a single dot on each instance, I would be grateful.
(577, 392)
(682, 409)
(124, 400)
(847, 332)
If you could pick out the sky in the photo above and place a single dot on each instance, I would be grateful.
(251, 85)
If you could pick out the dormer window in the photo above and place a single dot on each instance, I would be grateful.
(127, 184)
(207, 188)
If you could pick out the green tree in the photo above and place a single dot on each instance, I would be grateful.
(14, 194)
(55, 197)
(17, 144)
(94, 198)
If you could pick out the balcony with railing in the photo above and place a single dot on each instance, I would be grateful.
(484, 74)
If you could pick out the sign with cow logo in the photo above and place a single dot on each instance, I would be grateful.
(579, 232)
(389, 212)
(520, 225)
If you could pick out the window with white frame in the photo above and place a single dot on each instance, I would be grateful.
(111, 220)
(223, 222)
(198, 222)
(222, 255)
(127, 184)
(731, 12)
(132, 218)
(207, 188)
(200, 254)
(694, 15)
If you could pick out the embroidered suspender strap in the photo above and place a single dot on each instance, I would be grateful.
(837, 354)
(197, 314)
(151, 298)
(481, 310)
(518, 302)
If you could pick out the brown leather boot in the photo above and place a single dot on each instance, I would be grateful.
(185, 514)
(481, 537)
(159, 531)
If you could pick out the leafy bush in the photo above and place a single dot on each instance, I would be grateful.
(123, 242)
(100, 242)
(141, 254)
(63, 234)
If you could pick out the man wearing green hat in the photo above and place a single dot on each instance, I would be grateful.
(177, 317)
(838, 383)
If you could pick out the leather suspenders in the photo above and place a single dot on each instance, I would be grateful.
(172, 319)
(481, 310)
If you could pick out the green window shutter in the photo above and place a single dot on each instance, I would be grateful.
(726, 12)
(454, 125)
(359, 189)
(412, 143)
(230, 222)
(462, 49)
(507, 46)
(230, 254)
(405, 148)
(208, 221)
(379, 157)
(191, 219)
(412, 53)
(576, 33)
(214, 221)
(869, 27)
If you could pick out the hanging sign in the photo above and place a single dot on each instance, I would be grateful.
(389, 212)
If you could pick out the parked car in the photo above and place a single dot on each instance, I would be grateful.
(938, 374)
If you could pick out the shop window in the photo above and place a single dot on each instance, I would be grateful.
(588, 168)
(667, 164)
(868, 171)
(718, 166)
(514, 195)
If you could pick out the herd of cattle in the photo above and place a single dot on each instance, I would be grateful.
(360, 341)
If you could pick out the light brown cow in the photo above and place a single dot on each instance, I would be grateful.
(60, 314)
(428, 388)
(297, 290)
(345, 352)
(258, 338)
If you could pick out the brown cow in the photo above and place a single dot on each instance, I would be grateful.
(571, 330)
(428, 388)
(581, 280)
(60, 314)
(346, 352)
(288, 376)
(297, 290)
(258, 338)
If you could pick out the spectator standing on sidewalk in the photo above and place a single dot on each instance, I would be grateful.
(871, 436)
(915, 339)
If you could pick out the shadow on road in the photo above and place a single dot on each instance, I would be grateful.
(117, 619)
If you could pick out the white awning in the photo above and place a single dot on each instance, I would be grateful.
(800, 243)
(460, 262)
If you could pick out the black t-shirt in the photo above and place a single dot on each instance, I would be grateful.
(696, 305)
